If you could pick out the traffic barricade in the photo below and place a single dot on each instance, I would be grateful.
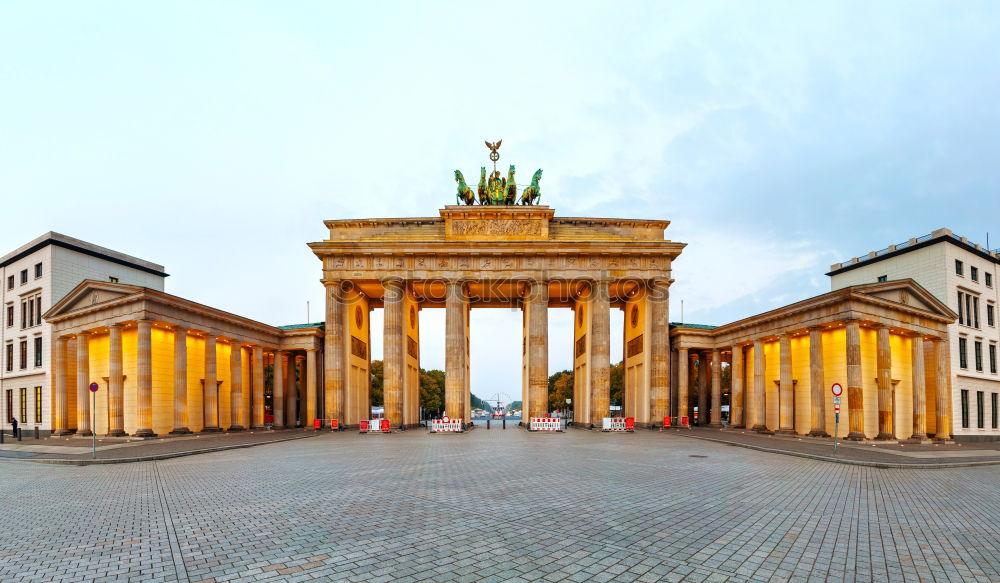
(385, 426)
(317, 424)
(666, 423)
(617, 424)
(684, 422)
(545, 424)
(363, 426)
(334, 425)
(446, 425)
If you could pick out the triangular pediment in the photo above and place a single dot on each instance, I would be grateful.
(908, 293)
(90, 293)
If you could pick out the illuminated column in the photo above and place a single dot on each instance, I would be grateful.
(942, 384)
(211, 389)
(715, 420)
(659, 373)
(919, 390)
(310, 386)
(83, 384)
(116, 383)
(455, 352)
(144, 380)
(393, 359)
(600, 350)
(334, 353)
(180, 382)
(682, 384)
(235, 386)
(62, 410)
(736, 392)
(278, 390)
(759, 406)
(786, 388)
(258, 388)
(291, 394)
(817, 383)
(692, 401)
(704, 387)
(855, 395)
(885, 397)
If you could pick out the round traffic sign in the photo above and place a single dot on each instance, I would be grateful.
(94, 387)
(445, 419)
(837, 390)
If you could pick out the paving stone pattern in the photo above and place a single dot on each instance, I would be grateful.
(497, 506)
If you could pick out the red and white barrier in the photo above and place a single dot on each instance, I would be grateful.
(545, 424)
(374, 426)
(618, 424)
(445, 426)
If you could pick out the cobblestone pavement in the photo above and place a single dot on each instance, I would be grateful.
(497, 506)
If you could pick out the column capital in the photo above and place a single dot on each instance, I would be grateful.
(179, 328)
(393, 281)
(816, 327)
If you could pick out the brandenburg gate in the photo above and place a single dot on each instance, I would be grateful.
(497, 255)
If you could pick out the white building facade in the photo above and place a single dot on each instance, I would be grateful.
(963, 275)
(32, 279)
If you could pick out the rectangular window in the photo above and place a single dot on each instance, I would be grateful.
(24, 276)
(961, 308)
(975, 311)
(38, 404)
(993, 358)
(963, 353)
(980, 410)
(989, 279)
(31, 312)
(38, 351)
(994, 415)
(883, 278)
(979, 355)
(24, 314)
(10, 282)
(968, 310)
(989, 315)
(10, 357)
(24, 354)
(974, 273)
(10, 405)
(38, 270)
(38, 309)
(965, 409)
(10, 315)
(958, 267)
(24, 405)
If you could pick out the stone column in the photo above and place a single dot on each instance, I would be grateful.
(278, 390)
(855, 393)
(919, 391)
(704, 389)
(258, 388)
(538, 350)
(455, 353)
(235, 386)
(61, 382)
(144, 380)
(758, 397)
(310, 386)
(600, 353)
(682, 384)
(180, 382)
(692, 400)
(817, 383)
(786, 387)
(393, 358)
(116, 383)
(736, 392)
(210, 394)
(334, 353)
(659, 352)
(885, 390)
(82, 384)
(291, 394)
(942, 384)
(715, 419)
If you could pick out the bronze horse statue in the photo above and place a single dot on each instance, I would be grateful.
(484, 193)
(533, 192)
(464, 192)
(511, 187)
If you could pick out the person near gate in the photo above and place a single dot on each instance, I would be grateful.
(13, 424)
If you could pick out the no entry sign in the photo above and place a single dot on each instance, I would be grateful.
(837, 390)
(94, 387)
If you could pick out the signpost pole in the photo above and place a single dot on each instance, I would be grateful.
(93, 427)
(836, 430)
(837, 391)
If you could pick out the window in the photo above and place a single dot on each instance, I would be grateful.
(112, 279)
(31, 311)
(38, 270)
(24, 276)
(993, 358)
(961, 306)
(989, 279)
(10, 315)
(968, 310)
(979, 355)
(975, 311)
(24, 405)
(883, 278)
(974, 273)
(989, 315)
(10, 357)
(963, 353)
(38, 309)
(24, 313)
(38, 404)
(38, 351)
(10, 282)
(958, 267)
(24, 354)
(994, 415)
(10, 405)
(980, 410)
(965, 409)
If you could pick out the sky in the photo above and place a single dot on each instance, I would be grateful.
(778, 138)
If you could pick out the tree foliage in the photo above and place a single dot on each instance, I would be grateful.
(560, 389)
(431, 390)
(376, 392)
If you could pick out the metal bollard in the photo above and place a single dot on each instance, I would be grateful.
(487, 424)
(19, 434)
(505, 423)
(36, 432)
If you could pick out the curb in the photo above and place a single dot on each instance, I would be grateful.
(882, 465)
(148, 458)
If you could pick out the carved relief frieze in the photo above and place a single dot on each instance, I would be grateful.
(497, 227)
(359, 347)
(634, 346)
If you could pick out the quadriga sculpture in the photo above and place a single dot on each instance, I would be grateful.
(511, 195)
(464, 192)
(484, 193)
(533, 192)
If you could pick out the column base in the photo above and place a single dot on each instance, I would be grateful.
(258, 427)
(855, 436)
(144, 433)
(818, 433)
(84, 433)
(180, 431)
(211, 430)
(942, 438)
(236, 428)
(917, 438)
(714, 425)
(63, 432)
(785, 431)
(762, 429)
(885, 437)
(738, 426)
(116, 433)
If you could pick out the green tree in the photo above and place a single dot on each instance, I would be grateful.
(514, 405)
(377, 397)
(560, 389)
(617, 383)
(432, 391)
